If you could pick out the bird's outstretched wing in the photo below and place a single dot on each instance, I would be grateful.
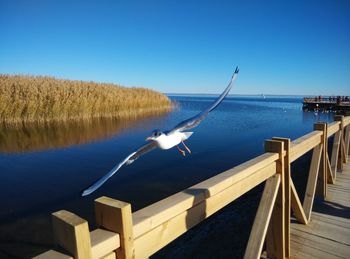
(194, 121)
(128, 160)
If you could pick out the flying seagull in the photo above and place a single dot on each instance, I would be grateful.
(166, 139)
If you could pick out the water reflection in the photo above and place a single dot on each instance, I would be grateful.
(33, 137)
(324, 116)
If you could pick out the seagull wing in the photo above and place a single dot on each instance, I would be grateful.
(194, 121)
(128, 160)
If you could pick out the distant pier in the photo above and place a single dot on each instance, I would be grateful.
(339, 104)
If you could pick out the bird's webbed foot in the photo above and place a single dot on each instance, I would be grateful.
(182, 152)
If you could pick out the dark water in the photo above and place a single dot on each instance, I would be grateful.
(43, 170)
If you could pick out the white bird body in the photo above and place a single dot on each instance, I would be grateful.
(168, 141)
(165, 140)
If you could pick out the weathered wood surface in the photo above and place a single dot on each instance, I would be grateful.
(328, 233)
(305, 143)
(262, 218)
(161, 235)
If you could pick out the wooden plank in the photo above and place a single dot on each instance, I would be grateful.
(311, 246)
(287, 191)
(335, 153)
(275, 238)
(340, 118)
(342, 182)
(116, 216)
(347, 140)
(103, 242)
(341, 189)
(165, 232)
(330, 178)
(304, 144)
(296, 205)
(312, 181)
(346, 121)
(160, 212)
(72, 233)
(337, 196)
(343, 176)
(334, 220)
(321, 186)
(112, 255)
(332, 128)
(325, 230)
(52, 254)
(262, 218)
(343, 149)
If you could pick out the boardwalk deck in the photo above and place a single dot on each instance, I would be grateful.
(328, 233)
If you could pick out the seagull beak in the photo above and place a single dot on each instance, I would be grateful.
(148, 138)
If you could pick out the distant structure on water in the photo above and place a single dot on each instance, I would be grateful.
(340, 104)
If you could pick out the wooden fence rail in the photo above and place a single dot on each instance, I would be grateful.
(123, 234)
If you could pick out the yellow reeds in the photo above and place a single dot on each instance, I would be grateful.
(44, 99)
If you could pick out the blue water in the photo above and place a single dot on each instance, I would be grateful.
(35, 183)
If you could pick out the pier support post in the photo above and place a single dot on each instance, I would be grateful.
(275, 238)
(116, 216)
(72, 234)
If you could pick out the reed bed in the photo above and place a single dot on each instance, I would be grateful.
(42, 99)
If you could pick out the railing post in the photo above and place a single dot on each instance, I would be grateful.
(275, 238)
(287, 191)
(116, 216)
(322, 179)
(341, 155)
(72, 233)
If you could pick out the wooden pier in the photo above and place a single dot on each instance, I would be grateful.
(327, 104)
(284, 226)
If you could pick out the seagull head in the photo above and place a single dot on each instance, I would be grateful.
(155, 134)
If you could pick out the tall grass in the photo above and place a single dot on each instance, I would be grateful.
(46, 99)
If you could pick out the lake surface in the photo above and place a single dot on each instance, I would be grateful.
(43, 170)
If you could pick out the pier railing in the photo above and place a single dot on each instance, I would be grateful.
(123, 234)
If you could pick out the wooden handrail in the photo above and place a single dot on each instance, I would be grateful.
(144, 232)
(159, 212)
(304, 144)
(333, 128)
(154, 236)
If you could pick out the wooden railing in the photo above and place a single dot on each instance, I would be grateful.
(123, 234)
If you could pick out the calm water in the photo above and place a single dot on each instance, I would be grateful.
(43, 170)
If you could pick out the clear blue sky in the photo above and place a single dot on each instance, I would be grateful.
(281, 47)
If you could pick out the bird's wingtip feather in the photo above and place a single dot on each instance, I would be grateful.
(84, 193)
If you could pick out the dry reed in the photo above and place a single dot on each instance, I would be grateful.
(46, 99)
